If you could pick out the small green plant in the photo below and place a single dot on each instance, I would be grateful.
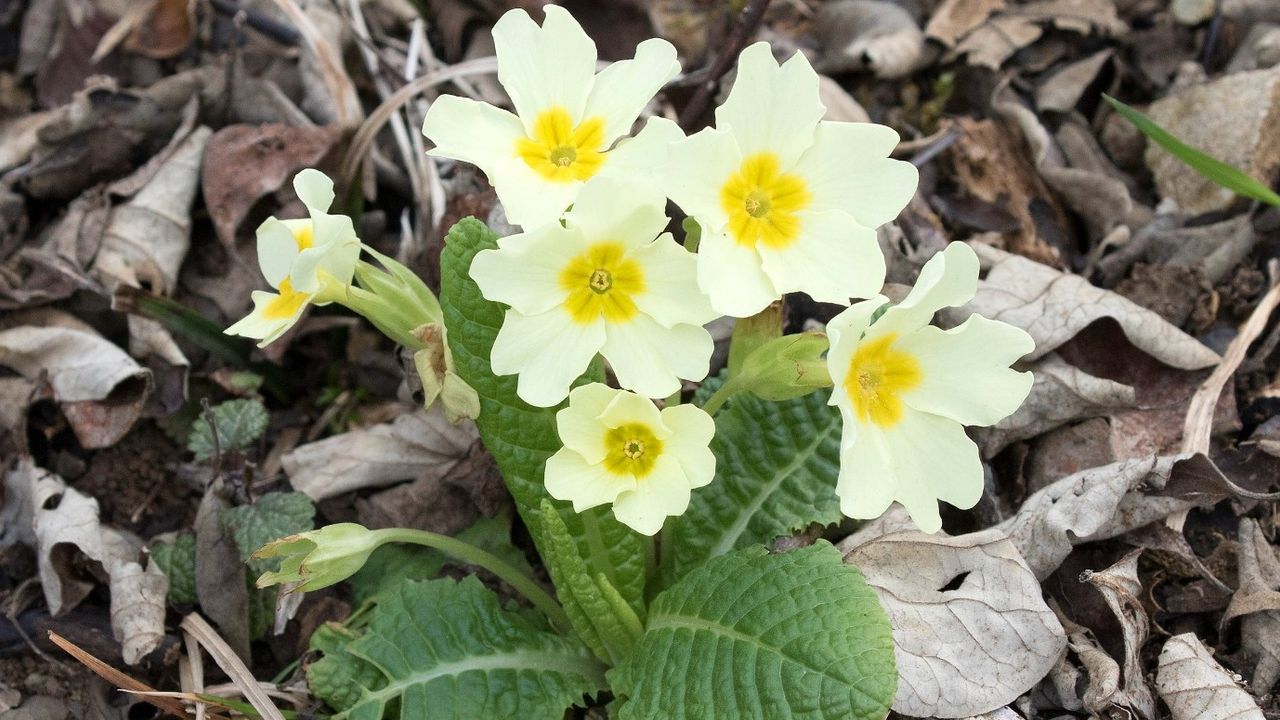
(230, 426)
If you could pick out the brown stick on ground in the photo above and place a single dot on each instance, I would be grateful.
(746, 26)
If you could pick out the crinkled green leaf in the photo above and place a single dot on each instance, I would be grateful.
(521, 437)
(273, 516)
(177, 560)
(447, 650)
(776, 469)
(340, 678)
(1227, 176)
(239, 422)
(751, 635)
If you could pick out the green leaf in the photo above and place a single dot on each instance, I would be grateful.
(776, 469)
(521, 437)
(1212, 168)
(339, 678)
(798, 635)
(239, 422)
(446, 650)
(273, 516)
(177, 560)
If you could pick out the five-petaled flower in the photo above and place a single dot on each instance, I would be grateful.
(620, 449)
(906, 389)
(303, 260)
(599, 283)
(786, 203)
(567, 117)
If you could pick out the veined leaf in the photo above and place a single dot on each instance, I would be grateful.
(521, 437)
(748, 635)
(177, 560)
(1219, 172)
(239, 424)
(776, 468)
(447, 650)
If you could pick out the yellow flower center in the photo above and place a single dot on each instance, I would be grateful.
(286, 304)
(304, 236)
(632, 450)
(878, 376)
(762, 202)
(560, 152)
(602, 283)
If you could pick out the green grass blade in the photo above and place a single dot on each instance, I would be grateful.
(1219, 172)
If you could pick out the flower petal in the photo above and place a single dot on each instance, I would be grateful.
(314, 189)
(627, 407)
(261, 324)
(771, 108)
(524, 272)
(671, 295)
(651, 359)
(691, 433)
(664, 492)
(948, 279)
(845, 332)
(698, 167)
(276, 250)
(640, 161)
(867, 484)
(965, 373)
(833, 259)
(732, 277)
(605, 210)
(848, 168)
(472, 131)
(544, 67)
(586, 484)
(548, 351)
(579, 424)
(528, 200)
(624, 88)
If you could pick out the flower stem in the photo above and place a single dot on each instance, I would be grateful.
(721, 395)
(473, 555)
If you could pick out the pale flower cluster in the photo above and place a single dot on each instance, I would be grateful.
(784, 202)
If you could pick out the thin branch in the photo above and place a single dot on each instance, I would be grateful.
(745, 28)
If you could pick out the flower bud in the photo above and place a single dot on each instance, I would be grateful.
(319, 558)
(787, 367)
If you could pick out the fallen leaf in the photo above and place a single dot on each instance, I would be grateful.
(956, 18)
(1004, 33)
(165, 32)
(870, 35)
(244, 163)
(137, 608)
(1053, 307)
(1258, 601)
(1061, 91)
(414, 445)
(1122, 591)
(1195, 687)
(101, 389)
(220, 580)
(971, 628)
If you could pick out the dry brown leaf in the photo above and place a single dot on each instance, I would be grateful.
(415, 445)
(873, 35)
(1062, 393)
(101, 389)
(220, 583)
(1062, 91)
(840, 105)
(1053, 307)
(1122, 592)
(956, 18)
(137, 608)
(244, 163)
(1195, 687)
(164, 32)
(1004, 33)
(971, 628)
(1259, 603)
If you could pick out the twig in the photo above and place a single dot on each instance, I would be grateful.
(746, 26)
(279, 32)
(119, 679)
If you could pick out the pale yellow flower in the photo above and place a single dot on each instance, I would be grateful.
(786, 202)
(607, 281)
(619, 449)
(567, 117)
(301, 259)
(906, 389)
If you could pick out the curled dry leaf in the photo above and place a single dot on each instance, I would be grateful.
(147, 238)
(63, 526)
(1062, 393)
(101, 389)
(412, 446)
(1258, 601)
(1007, 30)
(870, 35)
(956, 18)
(971, 629)
(1062, 91)
(1053, 307)
(1195, 687)
(1121, 590)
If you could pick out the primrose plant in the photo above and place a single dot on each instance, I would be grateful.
(652, 515)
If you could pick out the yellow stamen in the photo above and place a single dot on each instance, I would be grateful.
(633, 450)
(762, 202)
(602, 283)
(560, 152)
(286, 304)
(878, 376)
